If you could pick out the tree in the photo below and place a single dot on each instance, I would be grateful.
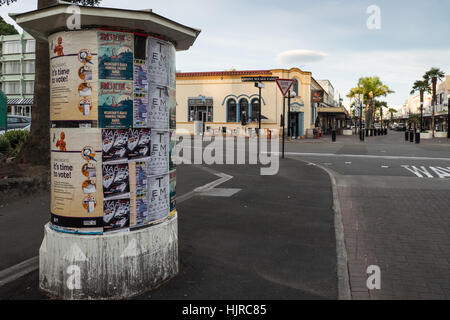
(380, 105)
(432, 76)
(36, 151)
(421, 86)
(392, 111)
(370, 88)
(6, 29)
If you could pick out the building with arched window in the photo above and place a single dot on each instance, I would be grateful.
(235, 104)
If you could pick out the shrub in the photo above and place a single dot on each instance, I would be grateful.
(17, 137)
(5, 145)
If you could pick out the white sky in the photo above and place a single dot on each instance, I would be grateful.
(330, 38)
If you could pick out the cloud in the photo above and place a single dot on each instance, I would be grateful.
(300, 57)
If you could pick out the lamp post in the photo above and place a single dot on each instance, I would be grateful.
(259, 85)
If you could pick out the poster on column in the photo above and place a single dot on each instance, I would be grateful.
(159, 107)
(139, 192)
(172, 66)
(76, 175)
(158, 198)
(158, 61)
(172, 109)
(115, 55)
(73, 76)
(115, 102)
(158, 162)
(173, 191)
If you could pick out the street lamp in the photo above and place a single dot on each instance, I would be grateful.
(259, 85)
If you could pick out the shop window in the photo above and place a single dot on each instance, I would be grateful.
(232, 111)
(255, 110)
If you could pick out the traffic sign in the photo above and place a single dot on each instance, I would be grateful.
(285, 85)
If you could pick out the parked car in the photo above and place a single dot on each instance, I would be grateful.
(17, 123)
(400, 127)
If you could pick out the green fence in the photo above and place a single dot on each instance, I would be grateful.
(3, 111)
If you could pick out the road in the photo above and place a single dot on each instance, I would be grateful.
(278, 237)
(269, 239)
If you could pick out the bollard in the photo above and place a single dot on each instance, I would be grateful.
(385, 131)
(406, 135)
(113, 230)
(333, 135)
(411, 136)
(375, 132)
(417, 137)
(371, 132)
(367, 132)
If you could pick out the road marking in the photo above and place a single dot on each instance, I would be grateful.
(19, 270)
(385, 167)
(422, 171)
(359, 156)
(348, 163)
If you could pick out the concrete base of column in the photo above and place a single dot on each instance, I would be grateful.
(114, 266)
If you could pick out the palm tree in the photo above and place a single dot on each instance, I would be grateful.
(380, 105)
(392, 111)
(370, 88)
(432, 76)
(421, 86)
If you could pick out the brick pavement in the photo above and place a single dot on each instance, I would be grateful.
(406, 233)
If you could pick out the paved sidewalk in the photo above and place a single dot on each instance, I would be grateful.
(404, 232)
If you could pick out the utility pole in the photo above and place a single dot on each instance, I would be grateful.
(284, 123)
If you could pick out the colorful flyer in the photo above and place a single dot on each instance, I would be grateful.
(76, 173)
(73, 76)
(159, 101)
(115, 104)
(158, 198)
(140, 111)
(116, 215)
(159, 153)
(158, 61)
(139, 194)
(140, 77)
(115, 55)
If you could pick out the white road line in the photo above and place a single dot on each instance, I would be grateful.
(19, 270)
(360, 156)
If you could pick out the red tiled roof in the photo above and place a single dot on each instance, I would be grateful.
(223, 73)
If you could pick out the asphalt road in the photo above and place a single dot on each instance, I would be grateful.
(274, 239)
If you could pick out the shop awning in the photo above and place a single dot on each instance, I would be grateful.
(20, 102)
